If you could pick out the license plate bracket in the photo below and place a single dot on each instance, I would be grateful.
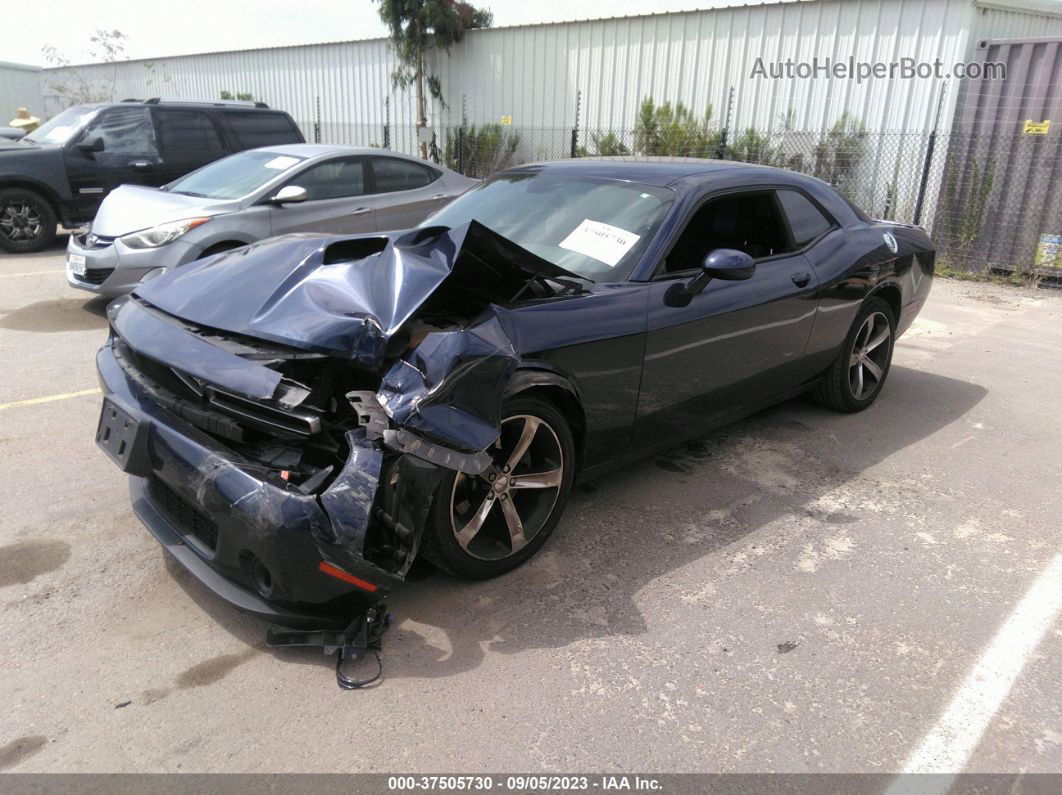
(124, 438)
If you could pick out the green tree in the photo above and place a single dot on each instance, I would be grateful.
(479, 153)
(243, 96)
(73, 86)
(674, 131)
(754, 147)
(418, 26)
(839, 153)
(608, 145)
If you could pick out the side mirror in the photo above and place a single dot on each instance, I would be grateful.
(289, 194)
(90, 145)
(727, 264)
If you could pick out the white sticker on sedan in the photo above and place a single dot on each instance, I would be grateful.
(603, 242)
(282, 162)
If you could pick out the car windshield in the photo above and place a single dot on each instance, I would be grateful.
(597, 228)
(61, 128)
(235, 176)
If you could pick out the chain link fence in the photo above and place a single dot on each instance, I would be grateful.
(990, 201)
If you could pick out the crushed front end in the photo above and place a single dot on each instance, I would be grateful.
(287, 412)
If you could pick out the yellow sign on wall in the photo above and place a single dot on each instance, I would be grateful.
(507, 120)
(1037, 127)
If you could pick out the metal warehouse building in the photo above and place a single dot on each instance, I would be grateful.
(946, 152)
(533, 73)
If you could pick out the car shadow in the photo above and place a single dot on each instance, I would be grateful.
(618, 535)
(59, 243)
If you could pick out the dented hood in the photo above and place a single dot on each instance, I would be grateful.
(347, 295)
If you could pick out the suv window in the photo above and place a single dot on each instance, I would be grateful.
(392, 174)
(261, 128)
(748, 222)
(125, 131)
(189, 131)
(806, 221)
(335, 179)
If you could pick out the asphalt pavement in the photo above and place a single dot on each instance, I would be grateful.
(801, 592)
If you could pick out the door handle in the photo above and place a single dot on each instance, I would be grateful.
(361, 211)
(438, 196)
(140, 164)
(801, 279)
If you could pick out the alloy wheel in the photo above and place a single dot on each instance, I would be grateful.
(870, 356)
(20, 222)
(496, 514)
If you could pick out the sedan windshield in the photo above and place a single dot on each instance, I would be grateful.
(235, 176)
(60, 128)
(597, 228)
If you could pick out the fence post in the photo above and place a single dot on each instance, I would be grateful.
(575, 128)
(387, 123)
(461, 149)
(726, 126)
(920, 201)
(317, 124)
(930, 146)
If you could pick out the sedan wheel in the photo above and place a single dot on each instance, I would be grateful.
(496, 515)
(856, 376)
(870, 356)
(496, 520)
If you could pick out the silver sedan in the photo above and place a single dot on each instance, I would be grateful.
(249, 196)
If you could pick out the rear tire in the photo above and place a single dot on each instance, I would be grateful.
(857, 375)
(27, 221)
(480, 528)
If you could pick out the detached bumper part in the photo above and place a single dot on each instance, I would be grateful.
(362, 635)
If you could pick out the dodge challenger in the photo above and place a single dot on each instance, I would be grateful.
(303, 417)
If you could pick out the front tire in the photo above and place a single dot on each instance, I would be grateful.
(27, 221)
(479, 527)
(857, 375)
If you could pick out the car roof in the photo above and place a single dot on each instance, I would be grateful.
(659, 171)
(327, 150)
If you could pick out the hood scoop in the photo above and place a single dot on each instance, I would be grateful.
(349, 296)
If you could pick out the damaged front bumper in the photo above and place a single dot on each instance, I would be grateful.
(290, 558)
(286, 446)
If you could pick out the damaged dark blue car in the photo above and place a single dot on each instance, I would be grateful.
(303, 417)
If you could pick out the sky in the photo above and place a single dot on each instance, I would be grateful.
(155, 29)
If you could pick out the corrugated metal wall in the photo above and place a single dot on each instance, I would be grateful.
(20, 86)
(1000, 180)
(534, 72)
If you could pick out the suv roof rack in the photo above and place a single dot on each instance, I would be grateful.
(239, 103)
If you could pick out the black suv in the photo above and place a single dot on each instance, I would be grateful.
(61, 171)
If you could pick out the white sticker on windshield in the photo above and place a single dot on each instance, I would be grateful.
(603, 242)
(282, 162)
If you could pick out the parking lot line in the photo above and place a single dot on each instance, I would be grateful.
(48, 398)
(949, 744)
(31, 273)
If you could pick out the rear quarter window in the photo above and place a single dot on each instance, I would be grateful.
(257, 128)
(393, 174)
(806, 221)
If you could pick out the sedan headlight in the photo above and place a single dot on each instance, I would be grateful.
(162, 234)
